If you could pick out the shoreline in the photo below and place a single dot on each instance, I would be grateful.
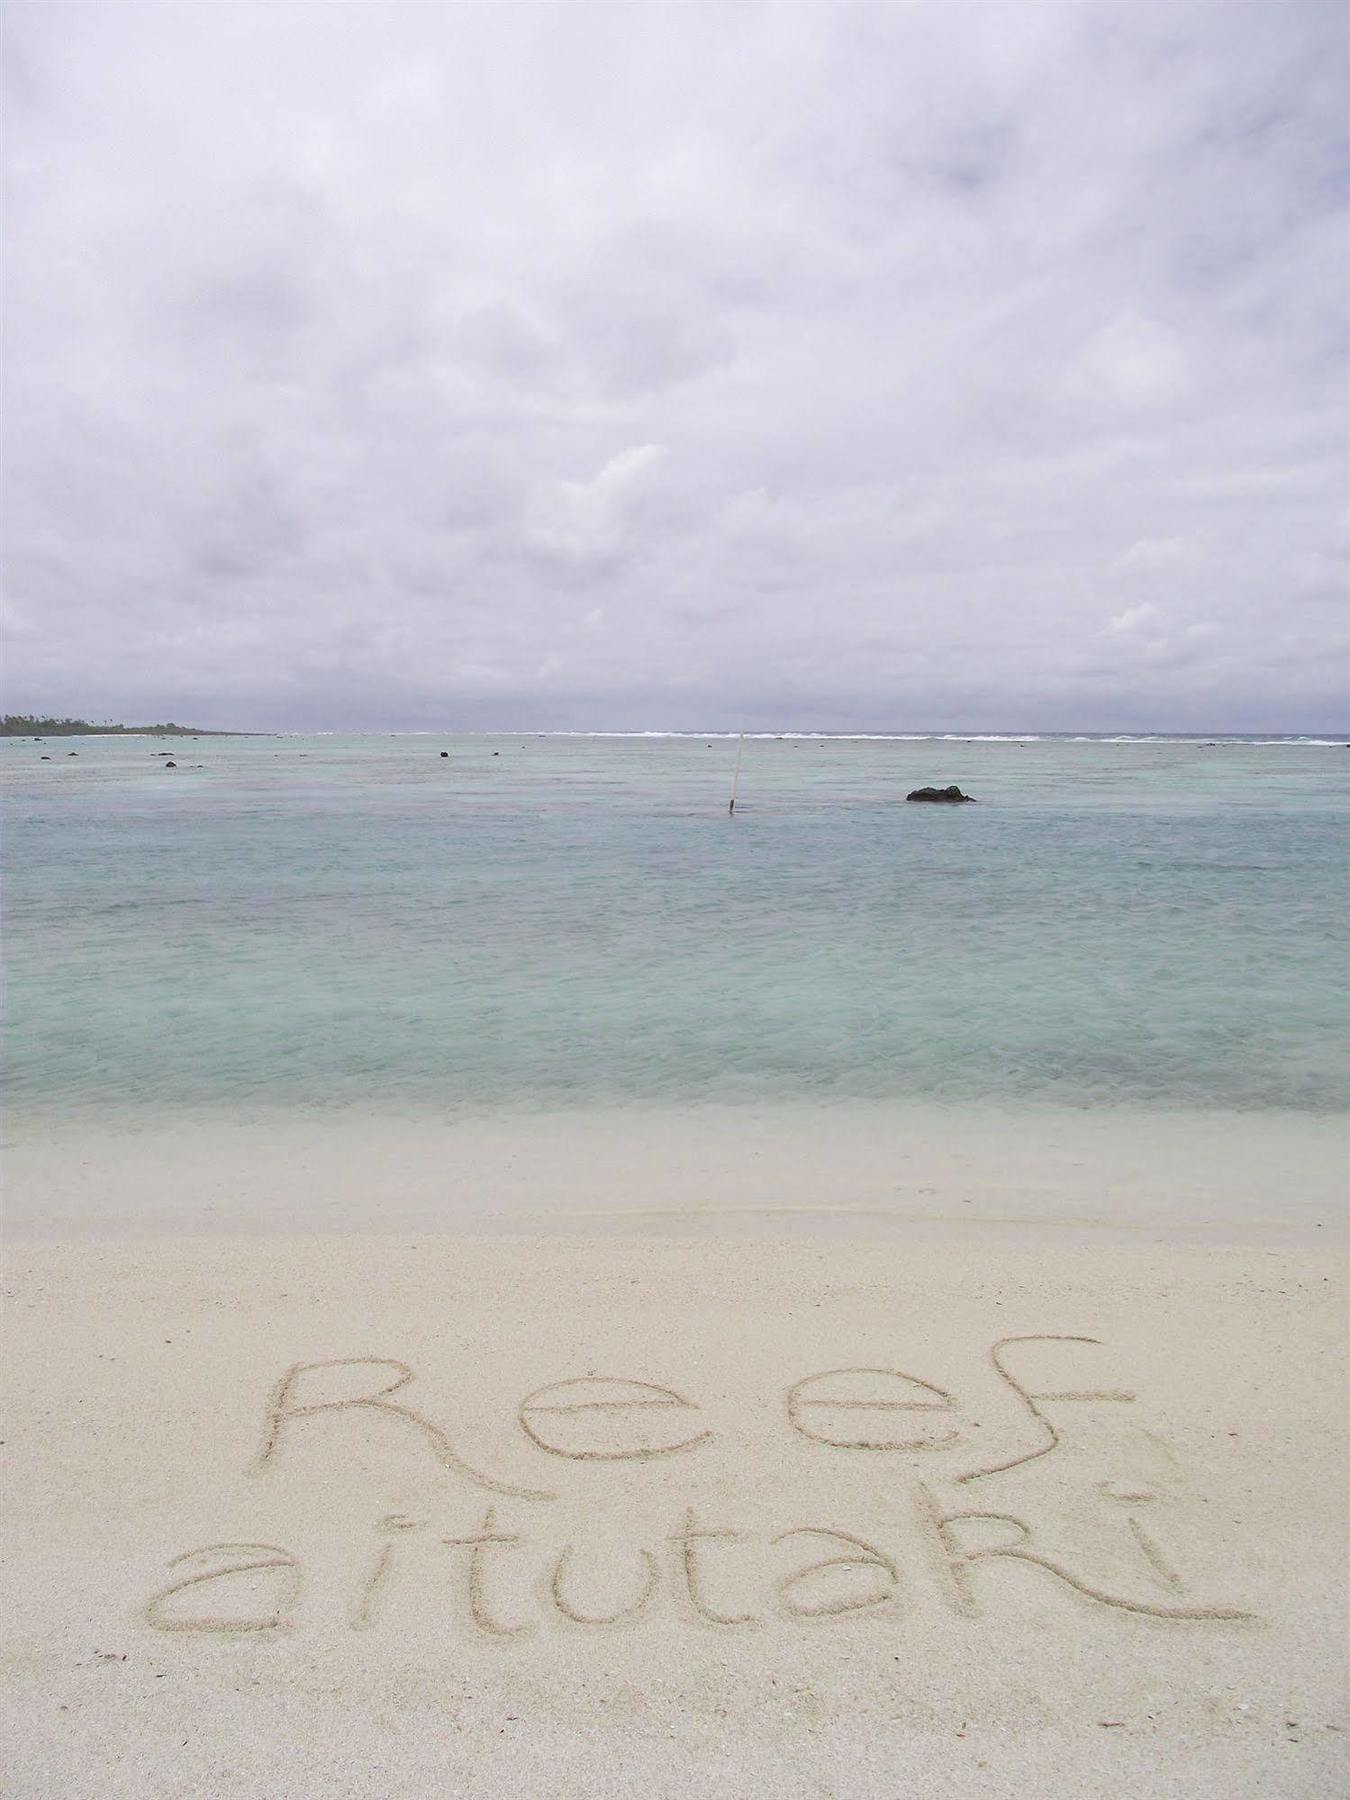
(841, 1167)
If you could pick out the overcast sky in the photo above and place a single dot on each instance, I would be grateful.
(929, 366)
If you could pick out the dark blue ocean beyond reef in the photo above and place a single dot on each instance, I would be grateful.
(566, 921)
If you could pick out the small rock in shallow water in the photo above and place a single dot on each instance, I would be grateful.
(445, 753)
(951, 794)
(171, 765)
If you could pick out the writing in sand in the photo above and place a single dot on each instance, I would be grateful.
(503, 1569)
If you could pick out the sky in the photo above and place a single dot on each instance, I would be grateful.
(639, 366)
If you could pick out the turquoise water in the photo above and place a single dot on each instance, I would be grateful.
(356, 921)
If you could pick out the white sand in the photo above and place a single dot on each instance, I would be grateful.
(852, 1166)
(371, 1657)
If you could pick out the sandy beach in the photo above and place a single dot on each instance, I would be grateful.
(560, 1239)
(635, 1515)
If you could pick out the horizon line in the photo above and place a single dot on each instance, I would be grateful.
(976, 733)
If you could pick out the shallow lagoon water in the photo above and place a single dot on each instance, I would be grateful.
(560, 922)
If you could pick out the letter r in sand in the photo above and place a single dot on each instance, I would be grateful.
(306, 1390)
(1018, 1547)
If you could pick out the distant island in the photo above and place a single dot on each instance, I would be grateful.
(29, 725)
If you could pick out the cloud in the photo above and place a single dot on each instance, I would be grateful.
(1138, 621)
(588, 519)
(1143, 638)
(598, 366)
(1133, 363)
(1155, 553)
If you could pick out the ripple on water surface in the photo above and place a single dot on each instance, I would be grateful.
(568, 921)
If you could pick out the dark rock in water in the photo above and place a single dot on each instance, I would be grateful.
(950, 795)
(72, 753)
(445, 753)
(496, 752)
(171, 765)
(44, 759)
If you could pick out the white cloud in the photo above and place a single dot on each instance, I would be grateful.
(1155, 553)
(584, 519)
(851, 364)
(1134, 363)
(1136, 621)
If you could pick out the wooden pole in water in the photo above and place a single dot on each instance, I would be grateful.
(735, 780)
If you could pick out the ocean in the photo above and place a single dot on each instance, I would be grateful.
(360, 923)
